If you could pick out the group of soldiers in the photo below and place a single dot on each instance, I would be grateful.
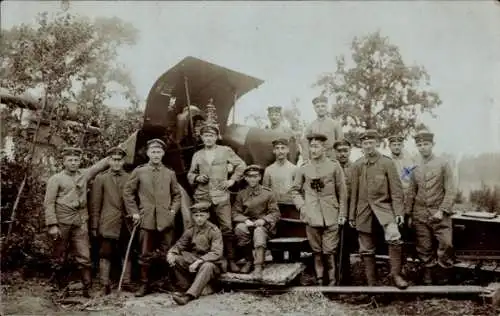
(329, 191)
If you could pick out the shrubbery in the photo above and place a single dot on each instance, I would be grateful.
(487, 198)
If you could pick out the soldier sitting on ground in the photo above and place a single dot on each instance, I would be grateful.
(196, 255)
(255, 214)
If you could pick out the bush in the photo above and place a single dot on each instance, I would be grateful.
(486, 198)
(459, 198)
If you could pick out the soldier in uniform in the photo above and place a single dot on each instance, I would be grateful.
(324, 204)
(430, 201)
(255, 214)
(325, 125)
(159, 200)
(196, 257)
(208, 174)
(377, 194)
(279, 175)
(275, 115)
(66, 214)
(108, 215)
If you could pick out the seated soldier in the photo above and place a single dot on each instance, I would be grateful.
(255, 214)
(196, 255)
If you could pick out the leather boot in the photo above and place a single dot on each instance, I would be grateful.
(229, 247)
(104, 269)
(318, 268)
(248, 260)
(395, 257)
(260, 253)
(87, 281)
(332, 271)
(427, 278)
(144, 288)
(233, 267)
(370, 270)
(127, 277)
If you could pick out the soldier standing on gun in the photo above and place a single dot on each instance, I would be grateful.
(377, 194)
(197, 256)
(324, 205)
(159, 200)
(275, 115)
(66, 214)
(209, 175)
(255, 214)
(430, 201)
(108, 216)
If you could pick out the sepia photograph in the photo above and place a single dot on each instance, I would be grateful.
(332, 158)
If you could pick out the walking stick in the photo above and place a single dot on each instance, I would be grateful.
(341, 252)
(127, 253)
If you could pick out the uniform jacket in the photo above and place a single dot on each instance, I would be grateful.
(158, 193)
(257, 203)
(376, 189)
(217, 171)
(66, 196)
(327, 126)
(279, 179)
(282, 128)
(204, 242)
(106, 203)
(432, 188)
(320, 209)
(405, 164)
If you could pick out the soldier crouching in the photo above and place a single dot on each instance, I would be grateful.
(255, 214)
(196, 258)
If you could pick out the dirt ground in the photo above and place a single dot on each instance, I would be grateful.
(33, 297)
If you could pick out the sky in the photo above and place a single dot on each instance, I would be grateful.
(289, 44)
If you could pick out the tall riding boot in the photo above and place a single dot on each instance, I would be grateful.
(318, 268)
(427, 276)
(259, 261)
(248, 255)
(87, 281)
(332, 271)
(370, 270)
(104, 269)
(229, 247)
(395, 257)
(144, 288)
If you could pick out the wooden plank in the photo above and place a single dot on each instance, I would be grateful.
(273, 274)
(287, 240)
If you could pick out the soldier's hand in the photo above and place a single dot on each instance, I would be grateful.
(171, 259)
(341, 220)
(260, 222)
(194, 266)
(400, 220)
(94, 232)
(202, 179)
(249, 223)
(409, 222)
(136, 218)
(437, 216)
(54, 232)
(352, 223)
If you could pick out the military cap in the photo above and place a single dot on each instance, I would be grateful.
(156, 142)
(280, 141)
(72, 151)
(274, 108)
(252, 168)
(317, 136)
(341, 142)
(203, 206)
(423, 136)
(369, 134)
(116, 151)
(210, 129)
(395, 138)
(320, 99)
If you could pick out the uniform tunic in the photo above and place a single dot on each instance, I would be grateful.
(405, 164)
(203, 243)
(279, 178)
(326, 126)
(253, 204)
(432, 188)
(282, 128)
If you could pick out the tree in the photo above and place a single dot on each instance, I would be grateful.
(377, 90)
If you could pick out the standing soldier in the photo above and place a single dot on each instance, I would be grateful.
(108, 215)
(342, 153)
(66, 214)
(324, 204)
(209, 175)
(255, 213)
(376, 192)
(159, 200)
(325, 125)
(279, 175)
(275, 115)
(196, 255)
(430, 200)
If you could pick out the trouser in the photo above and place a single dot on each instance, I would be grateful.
(367, 244)
(223, 216)
(110, 249)
(194, 282)
(245, 235)
(425, 234)
(323, 240)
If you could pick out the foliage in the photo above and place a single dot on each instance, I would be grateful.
(487, 198)
(377, 90)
